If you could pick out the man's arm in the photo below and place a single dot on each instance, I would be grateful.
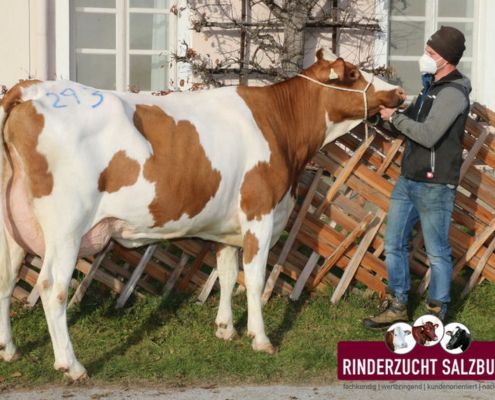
(449, 103)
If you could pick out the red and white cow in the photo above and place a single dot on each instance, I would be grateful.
(395, 338)
(82, 166)
(425, 333)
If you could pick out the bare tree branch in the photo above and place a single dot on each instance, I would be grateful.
(273, 46)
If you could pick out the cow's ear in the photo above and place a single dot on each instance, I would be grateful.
(326, 54)
(337, 70)
(407, 332)
(436, 326)
(448, 333)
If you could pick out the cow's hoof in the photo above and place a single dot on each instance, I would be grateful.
(75, 372)
(77, 376)
(227, 335)
(266, 348)
(15, 356)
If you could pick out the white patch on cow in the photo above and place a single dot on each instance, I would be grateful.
(379, 84)
(403, 341)
(335, 130)
(282, 213)
(399, 338)
(333, 74)
(255, 276)
(328, 55)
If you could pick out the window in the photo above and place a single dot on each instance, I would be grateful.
(123, 44)
(411, 25)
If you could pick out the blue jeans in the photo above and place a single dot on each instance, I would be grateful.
(432, 204)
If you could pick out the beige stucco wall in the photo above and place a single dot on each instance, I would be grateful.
(220, 43)
(14, 41)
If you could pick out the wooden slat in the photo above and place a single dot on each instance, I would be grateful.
(330, 261)
(277, 268)
(84, 285)
(391, 155)
(483, 112)
(479, 268)
(108, 280)
(358, 256)
(131, 284)
(176, 274)
(196, 265)
(303, 277)
(344, 174)
(212, 278)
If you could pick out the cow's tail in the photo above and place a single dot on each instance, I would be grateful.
(12, 98)
(6, 104)
(5, 267)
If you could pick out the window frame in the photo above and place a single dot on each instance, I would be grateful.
(432, 22)
(66, 58)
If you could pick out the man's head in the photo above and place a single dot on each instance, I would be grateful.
(449, 43)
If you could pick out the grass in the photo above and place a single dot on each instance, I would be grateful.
(171, 343)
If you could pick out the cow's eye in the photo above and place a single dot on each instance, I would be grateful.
(353, 74)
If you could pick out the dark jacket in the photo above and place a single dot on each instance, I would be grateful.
(434, 124)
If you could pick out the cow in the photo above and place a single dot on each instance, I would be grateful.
(82, 166)
(425, 333)
(396, 338)
(458, 339)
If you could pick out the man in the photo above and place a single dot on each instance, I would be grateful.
(425, 191)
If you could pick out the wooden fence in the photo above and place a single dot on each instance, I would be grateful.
(335, 233)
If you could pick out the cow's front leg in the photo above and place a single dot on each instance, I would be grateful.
(11, 259)
(256, 246)
(228, 269)
(53, 285)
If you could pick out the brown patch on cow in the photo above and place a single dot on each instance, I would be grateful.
(294, 133)
(185, 179)
(22, 129)
(61, 297)
(121, 171)
(251, 247)
(13, 96)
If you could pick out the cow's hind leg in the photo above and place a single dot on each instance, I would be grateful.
(53, 285)
(12, 256)
(228, 268)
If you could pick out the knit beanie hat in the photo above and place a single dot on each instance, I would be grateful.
(449, 43)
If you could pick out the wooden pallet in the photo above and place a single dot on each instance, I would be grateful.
(334, 235)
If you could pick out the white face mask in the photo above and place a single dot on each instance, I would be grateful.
(428, 65)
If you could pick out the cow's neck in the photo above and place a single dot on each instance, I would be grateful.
(289, 120)
(295, 119)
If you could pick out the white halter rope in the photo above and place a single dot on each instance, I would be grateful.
(349, 90)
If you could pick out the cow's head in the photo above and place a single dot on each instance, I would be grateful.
(400, 338)
(351, 89)
(428, 330)
(458, 339)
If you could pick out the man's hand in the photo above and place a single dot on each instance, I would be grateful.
(385, 112)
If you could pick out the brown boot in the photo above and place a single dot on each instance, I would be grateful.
(436, 308)
(395, 311)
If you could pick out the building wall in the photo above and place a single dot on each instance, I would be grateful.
(14, 41)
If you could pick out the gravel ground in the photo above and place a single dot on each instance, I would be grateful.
(344, 390)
